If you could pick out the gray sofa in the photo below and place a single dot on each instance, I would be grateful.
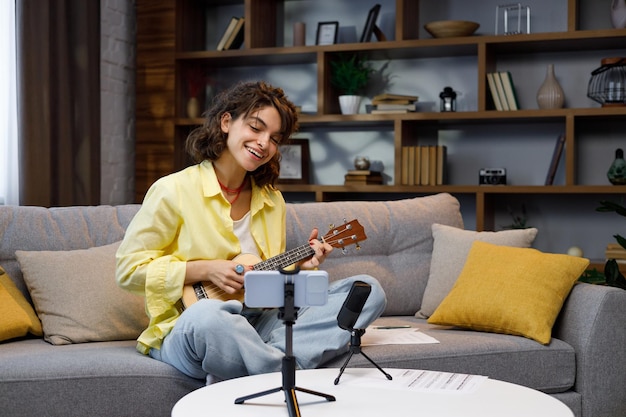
(584, 365)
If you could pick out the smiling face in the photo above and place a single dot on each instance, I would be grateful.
(253, 140)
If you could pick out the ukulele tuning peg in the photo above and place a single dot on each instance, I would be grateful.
(357, 246)
(331, 226)
(344, 250)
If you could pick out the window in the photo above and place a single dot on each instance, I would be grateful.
(9, 180)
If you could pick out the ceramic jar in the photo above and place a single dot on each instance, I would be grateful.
(618, 14)
(550, 95)
(617, 171)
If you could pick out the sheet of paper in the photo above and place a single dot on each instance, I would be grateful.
(424, 381)
(395, 336)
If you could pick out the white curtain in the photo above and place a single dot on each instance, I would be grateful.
(9, 180)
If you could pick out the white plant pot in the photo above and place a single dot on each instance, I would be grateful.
(349, 104)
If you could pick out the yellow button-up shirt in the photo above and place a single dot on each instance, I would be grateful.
(185, 217)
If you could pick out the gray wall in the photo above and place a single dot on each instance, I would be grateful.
(117, 87)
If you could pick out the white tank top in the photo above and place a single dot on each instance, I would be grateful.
(241, 228)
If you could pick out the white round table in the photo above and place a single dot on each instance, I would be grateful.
(354, 396)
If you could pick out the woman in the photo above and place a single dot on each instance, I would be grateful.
(194, 222)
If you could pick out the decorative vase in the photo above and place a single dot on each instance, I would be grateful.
(550, 95)
(617, 170)
(618, 14)
(349, 104)
(193, 108)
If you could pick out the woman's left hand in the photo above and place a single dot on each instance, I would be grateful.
(321, 250)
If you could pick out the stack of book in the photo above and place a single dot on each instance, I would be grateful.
(424, 165)
(363, 176)
(393, 103)
(233, 35)
(615, 251)
(502, 90)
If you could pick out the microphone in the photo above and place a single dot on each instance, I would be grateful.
(353, 305)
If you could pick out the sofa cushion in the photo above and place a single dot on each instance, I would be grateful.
(517, 291)
(450, 248)
(548, 368)
(87, 379)
(76, 297)
(17, 317)
(398, 247)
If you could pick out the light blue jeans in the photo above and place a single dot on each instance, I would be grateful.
(217, 339)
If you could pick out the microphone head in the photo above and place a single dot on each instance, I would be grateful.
(353, 305)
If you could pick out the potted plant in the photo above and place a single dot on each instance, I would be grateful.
(612, 274)
(350, 75)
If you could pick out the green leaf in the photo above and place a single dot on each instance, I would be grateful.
(593, 277)
(614, 277)
(620, 240)
(607, 206)
(350, 74)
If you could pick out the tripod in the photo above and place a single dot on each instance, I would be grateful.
(355, 347)
(288, 313)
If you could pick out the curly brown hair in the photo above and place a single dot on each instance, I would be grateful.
(208, 142)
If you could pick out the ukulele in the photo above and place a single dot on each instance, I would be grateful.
(339, 237)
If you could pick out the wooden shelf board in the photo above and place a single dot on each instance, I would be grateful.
(456, 189)
(422, 48)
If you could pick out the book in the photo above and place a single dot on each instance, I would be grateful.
(404, 179)
(373, 178)
(432, 165)
(615, 251)
(494, 91)
(363, 177)
(366, 181)
(393, 106)
(501, 93)
(359, 177)
(227, 33)
(411, 171)
(509, 90)
(362, 172)
(417, 150)
(236, 37)
(387, 97)
(442, 152)
(425, 166)
(390, 111)
(556, 157)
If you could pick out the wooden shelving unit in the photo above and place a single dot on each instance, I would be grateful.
(171, 38)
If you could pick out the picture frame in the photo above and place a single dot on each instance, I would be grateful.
(295, 162)
(370, 24)
(327, 33)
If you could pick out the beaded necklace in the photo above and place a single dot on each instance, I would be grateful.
(232, 191)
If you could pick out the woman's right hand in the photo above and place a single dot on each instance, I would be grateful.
(222, 273)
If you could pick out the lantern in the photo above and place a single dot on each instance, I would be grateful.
(448, 99)
(607, 85)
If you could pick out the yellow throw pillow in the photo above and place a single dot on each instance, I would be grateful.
(17, 316)
(510, 290)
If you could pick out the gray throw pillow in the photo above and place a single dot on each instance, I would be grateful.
(450, 248)
(76, 296)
